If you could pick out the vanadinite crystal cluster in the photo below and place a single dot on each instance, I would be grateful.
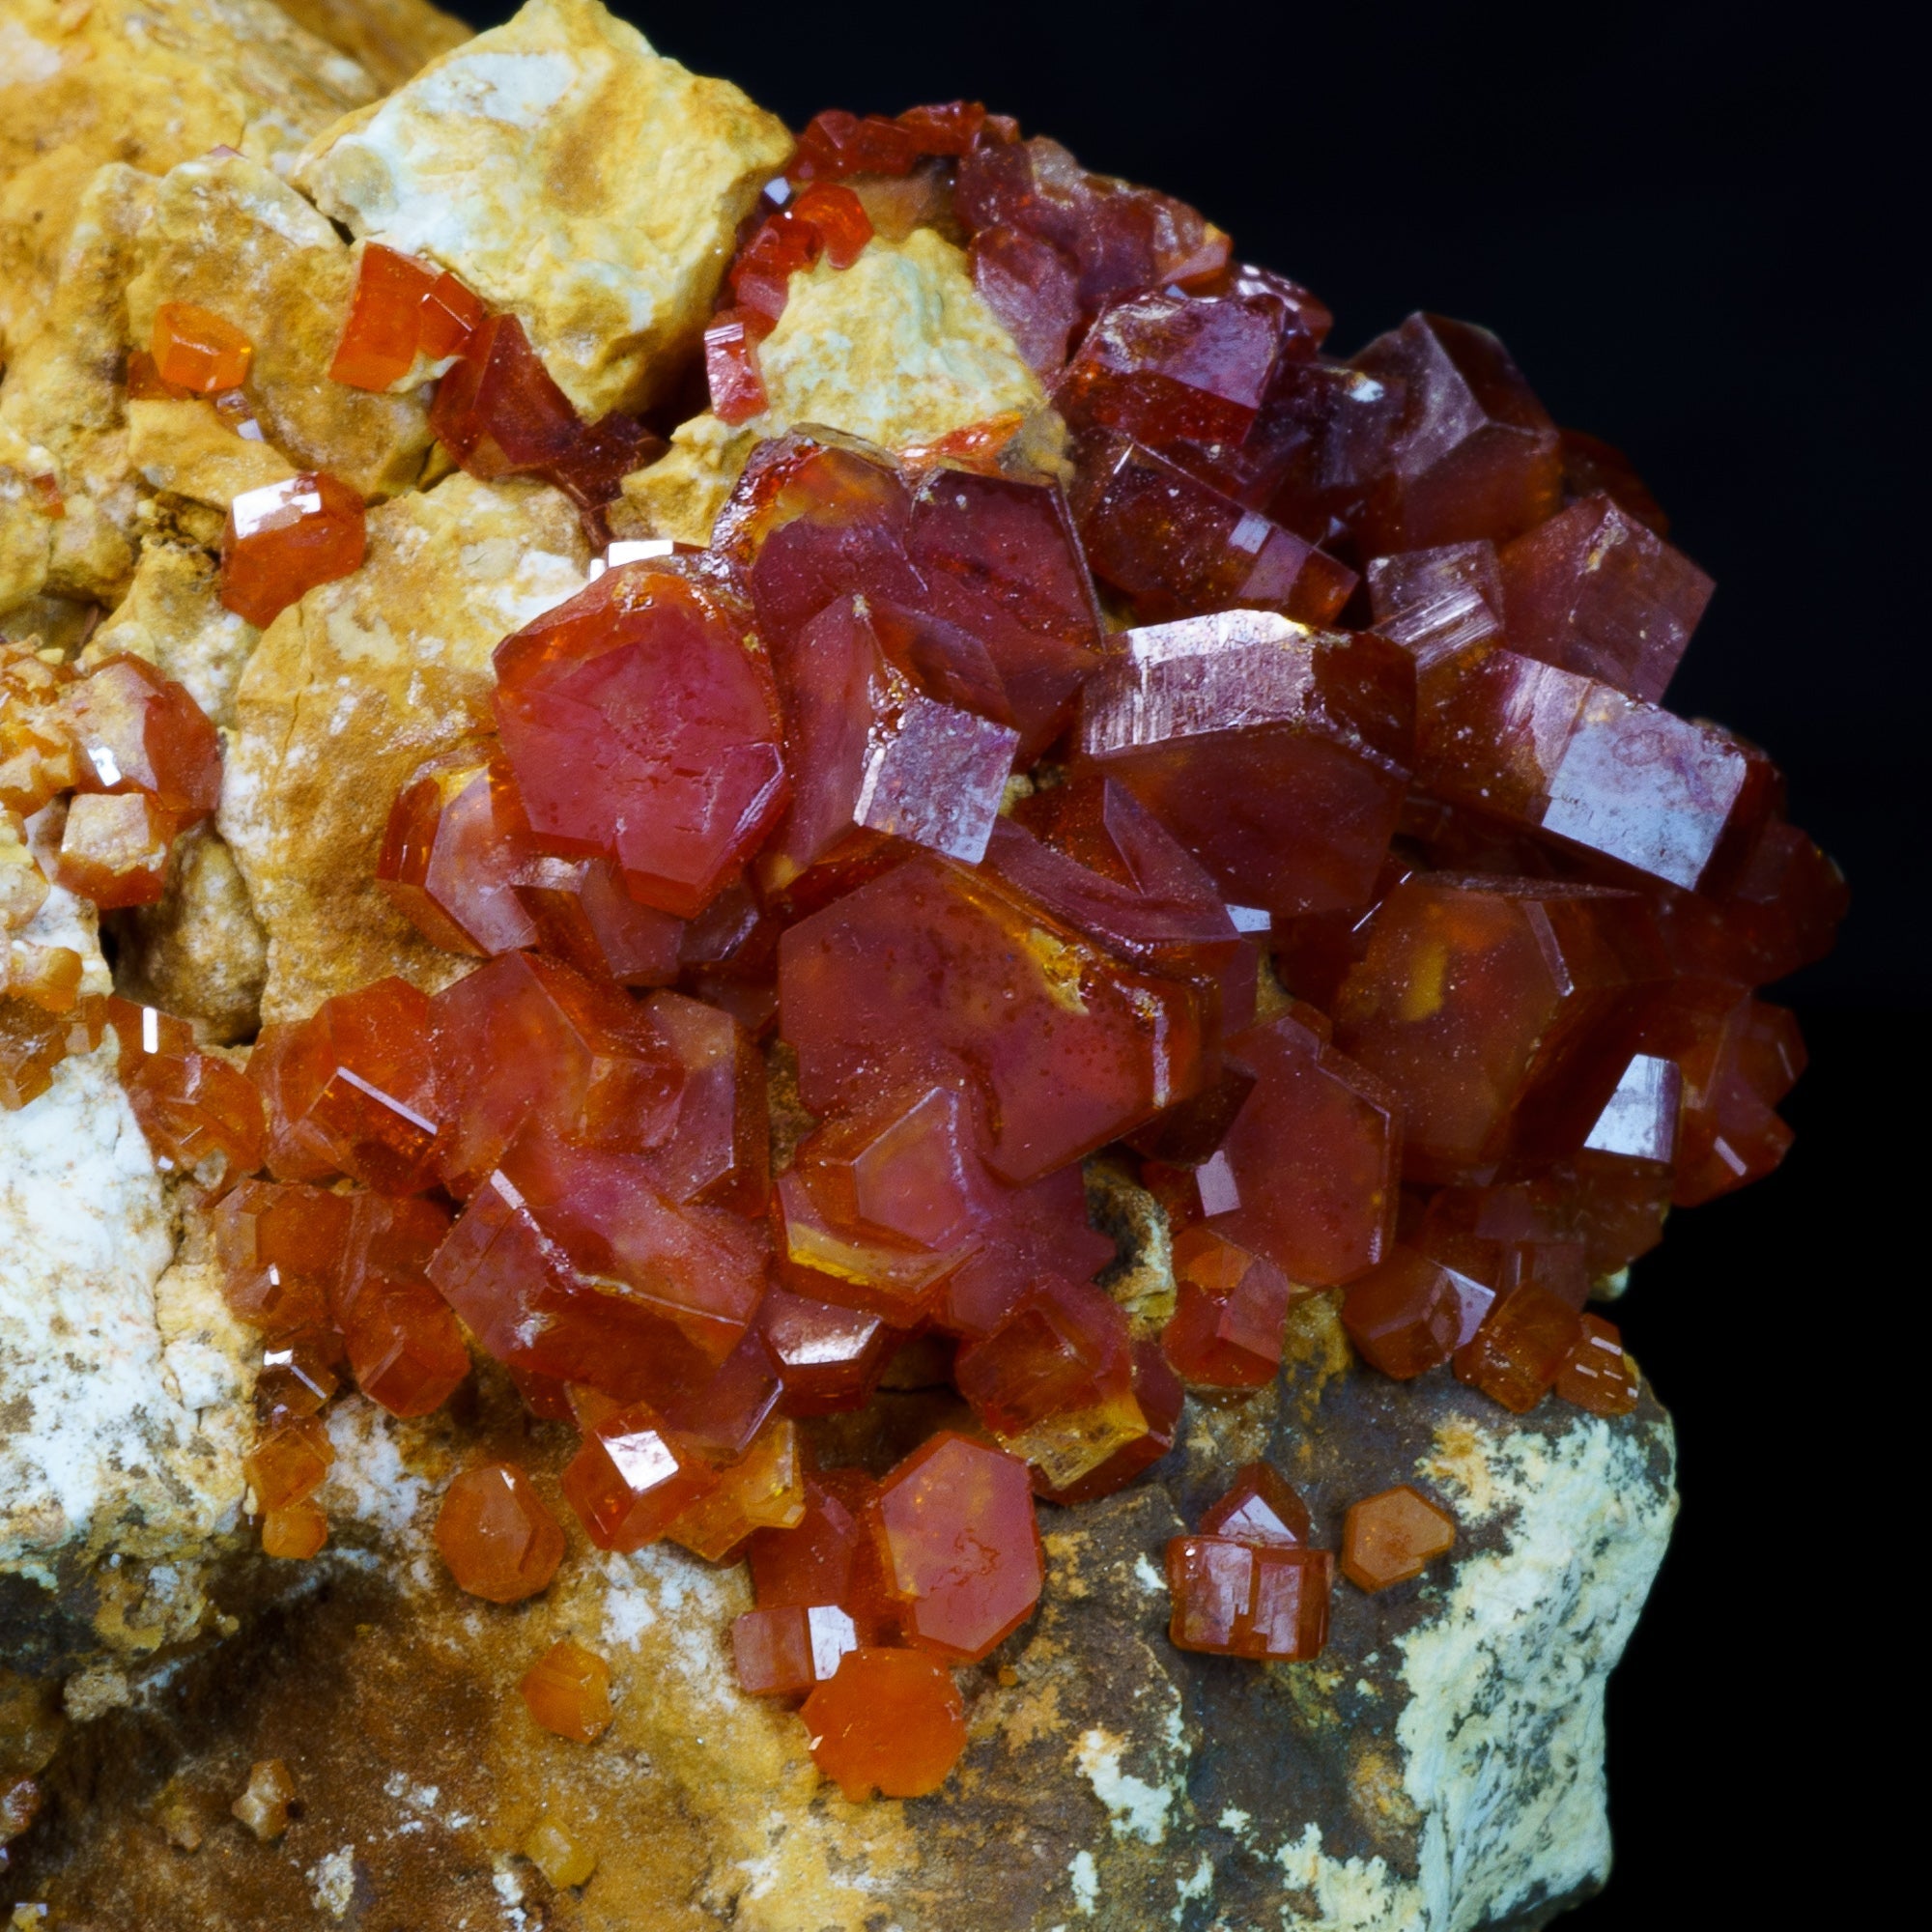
(1257, 791)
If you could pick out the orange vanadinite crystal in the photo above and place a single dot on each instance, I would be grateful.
(1472, 991)
(1162, 1398)
(1226, 1330)
(905, 971)
(281, 1249)
(496, 1536)
(568, 1691)
(716, 1152)
(114, 849)
(1235, 1599)
(451, 854)
(1596, 1374)
(401, 310)
(138, 732)
(1521, 1348)
(1310, 1159)
(524, 1038)
(295, 1531)
(827, 1357)
(962, 1552)
(403, 1345)
(1414, 1312)
(678, 806)
(783, 1651)
(351, 1090)
(298, 1375)
(887, 1720)
(288, 1465)
(830, 1556)
(633, 1479)
(1054, 1381)
(1261, 1509)
(764, 1488)
(1391, 1537)
(194, 1105)
(197, 350)
(1311, 729)
(283, 539)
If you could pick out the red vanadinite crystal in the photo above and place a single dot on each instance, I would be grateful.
(352, 1090)
(496, 1536)
(1275, 754)
(962, 1551)
(641, 723)
(283, 539)
(833, 894)
(633, 1478)
(886, 1720)
(196, 351)
(400, 310)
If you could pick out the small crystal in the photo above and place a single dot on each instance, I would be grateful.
(568, 1691)
(1391, 1537)
(887, 1720)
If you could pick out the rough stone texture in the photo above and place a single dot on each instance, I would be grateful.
(191, 449)
(232, 236)
(899, 348)
(62, 389)
(201, 952)
(348, 692)
(122, 1381)
(172, 617)
(1440, 1766)
(391, 39)
(569, 174)
(149, 83)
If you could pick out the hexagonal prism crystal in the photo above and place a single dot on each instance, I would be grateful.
(886, 1720)
(955, 1523)
(1391, 1537)
(931, 960)
(1518, 1351)
(1598, 592)
(1275, 754)
(1175, 546)
(451, 854)
(1472, 990)
(1054, 1381)
(494, 1532)
(1232, 1598)
(351, 1090)
(763, 1488)
(1258, 1510)
(1607, 775)
(568, 1691)
(1412, 1311)
(1473, 453)
(633, 1478)
(783, 1651)
(283, 539)
(1597, 1374)
(642, 725)
(1226, 1330)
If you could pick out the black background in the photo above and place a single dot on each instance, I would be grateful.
(1697, 230)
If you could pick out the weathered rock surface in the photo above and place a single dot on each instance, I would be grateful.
(230, 235)
(123, 1379)
(148, 83)
(352, 688)
(899, 348)
(567, 173)
(1440, 1766)
(391, 39)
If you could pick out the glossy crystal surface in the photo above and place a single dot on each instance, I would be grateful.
(494, 1532)
(1391, 1537)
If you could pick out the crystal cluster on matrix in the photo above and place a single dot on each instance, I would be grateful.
(1277, 798)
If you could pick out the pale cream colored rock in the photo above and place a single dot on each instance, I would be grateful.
(26, 534)
(201, 952)
(62, 386)
(145, 82)
(231, 236)
(566, 173)
(119, 1449)
(172, 617)
(352, 688)
(391, 39)
(901, 348)
(191, 448)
